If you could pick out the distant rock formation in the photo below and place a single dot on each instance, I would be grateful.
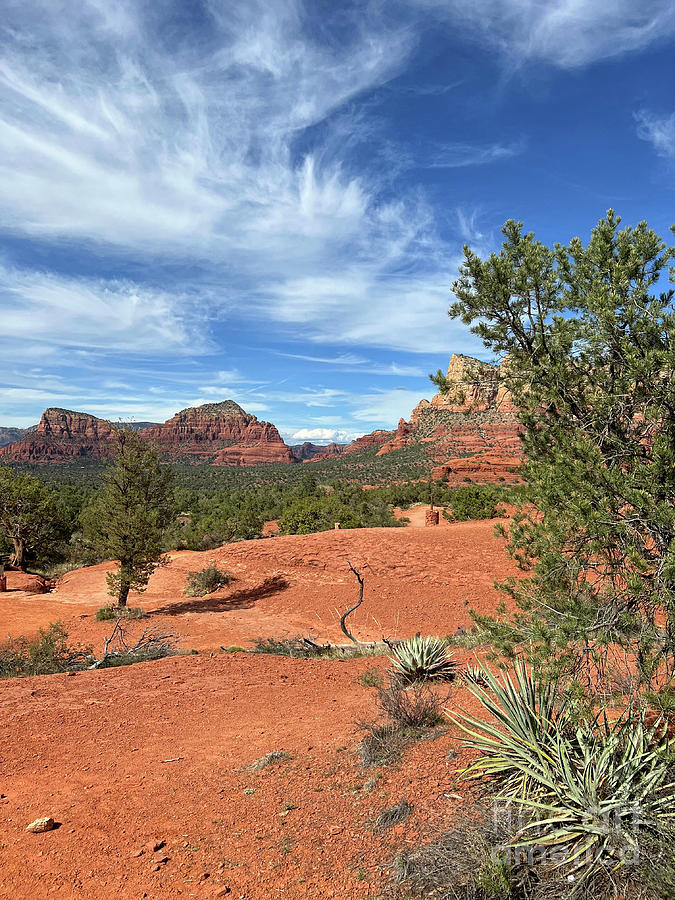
(222, 434)
(470, 432)
(10, 435)
(62, 435)
(218, 433)
(305, 452)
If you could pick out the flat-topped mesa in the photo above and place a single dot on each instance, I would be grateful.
(221, 433)
(62, 435)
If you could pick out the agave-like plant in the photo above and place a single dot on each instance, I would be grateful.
(528, 712)
(588, 789)
(474, 675)
(607, 783)
(422, 659)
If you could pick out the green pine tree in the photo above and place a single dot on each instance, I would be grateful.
(590, 337)
(31, 516)
(128, 519)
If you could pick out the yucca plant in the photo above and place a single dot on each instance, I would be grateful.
(474, 675)
(422, 659)
(607, 783)
(588, 789)
(527, 713)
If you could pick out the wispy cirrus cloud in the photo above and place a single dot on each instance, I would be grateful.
(659, 130)
(564, 33)
(458, 155)
(60, 311)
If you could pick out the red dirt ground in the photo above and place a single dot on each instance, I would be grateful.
(158, 751)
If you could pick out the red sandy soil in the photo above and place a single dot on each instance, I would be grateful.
(159, 751)
(417, 579)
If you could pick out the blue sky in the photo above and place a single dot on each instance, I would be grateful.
(267, 201)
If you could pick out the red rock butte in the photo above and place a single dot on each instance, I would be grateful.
(470, 432)
(217, 433)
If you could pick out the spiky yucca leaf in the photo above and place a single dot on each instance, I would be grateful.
(422, 659)
(588, 789)
(527, 713)
(474, 675)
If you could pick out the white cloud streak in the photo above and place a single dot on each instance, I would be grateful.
(564, 33)
(658, 130)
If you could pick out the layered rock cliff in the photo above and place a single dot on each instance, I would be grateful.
(218, 433)
(470, 432)
(223, 434)
(62, 435)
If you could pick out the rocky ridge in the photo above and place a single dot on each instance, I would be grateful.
(471, 432)
(10, 435)
(217, 433)
(308, 451)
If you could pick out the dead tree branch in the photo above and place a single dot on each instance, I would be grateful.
(151, 642)
(343, 617)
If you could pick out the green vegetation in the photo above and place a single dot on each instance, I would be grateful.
(110, 613)
(46, 654)
(274, 757)
(215, 505)
(590, 344)
(406, 715)
(589, 787)
(128, 518)
(470, 502)
(422, 659)
(206, 581)
(32, 518)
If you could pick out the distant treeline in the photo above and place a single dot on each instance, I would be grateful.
(209, 514)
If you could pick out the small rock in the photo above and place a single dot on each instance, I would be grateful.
(39, 826)
(154, 846)
(222, 892)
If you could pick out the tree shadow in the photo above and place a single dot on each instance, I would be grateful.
(243, 599)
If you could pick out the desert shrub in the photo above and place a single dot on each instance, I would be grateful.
(305, 649)
(294, 647)
(406, 715)
(269, 759)
(308, 515)
(383, 744)
(663, 700)
(474, 501)
(121, 658)
(462, 863)
(108, 613)
(372, 677)
(206, 581)
(393, 815)
(416, 706)
(422, 659)
(46, 654)
(589, 787)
